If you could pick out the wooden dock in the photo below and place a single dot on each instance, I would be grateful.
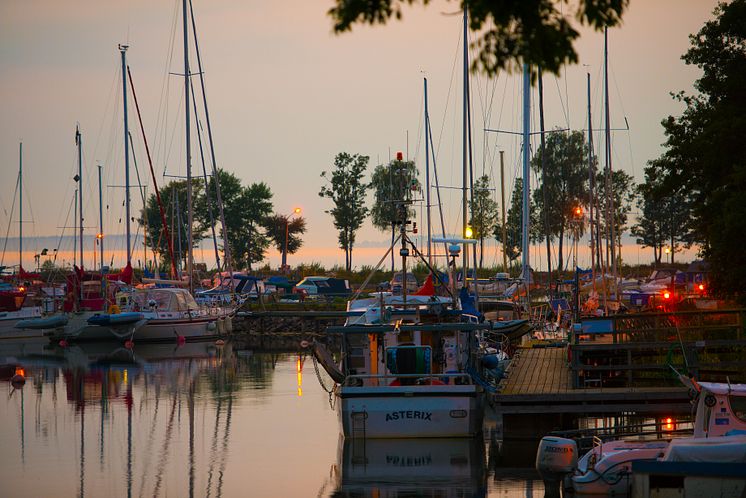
(539, 380)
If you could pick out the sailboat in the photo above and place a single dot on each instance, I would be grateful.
(163, 313)
(13, 297)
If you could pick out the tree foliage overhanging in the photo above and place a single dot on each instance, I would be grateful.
(704, 164)
(537, 32)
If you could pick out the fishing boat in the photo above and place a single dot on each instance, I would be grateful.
(719, 436)
(411, 364)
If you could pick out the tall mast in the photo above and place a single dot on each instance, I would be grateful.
(75, 227)
(609, 179)
(123, 50)
(544, 182)
(526, 170)
(591, 183)
(79, 142)
(100, 220)
(20, 207)
(427, 179)
(502, 203)
(465, 220)
(190, 215)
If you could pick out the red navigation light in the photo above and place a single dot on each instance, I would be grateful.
(701, 287)
(399, 156)
(668, 424)
(666, 295)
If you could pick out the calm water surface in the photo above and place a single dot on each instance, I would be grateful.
(206, 420)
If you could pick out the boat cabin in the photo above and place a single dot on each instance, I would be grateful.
(163, 299)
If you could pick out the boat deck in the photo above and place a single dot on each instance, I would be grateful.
(539, 381)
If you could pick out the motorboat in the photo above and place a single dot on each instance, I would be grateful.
(719, 426)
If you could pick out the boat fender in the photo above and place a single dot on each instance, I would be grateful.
(327, 361)
(114, 309)
(221, 326)
(228, 324)
(211, 326)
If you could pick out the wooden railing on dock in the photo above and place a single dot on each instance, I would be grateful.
(638, 350)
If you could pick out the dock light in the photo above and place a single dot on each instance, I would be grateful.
(468, 232)
(666, 295)
(578, 211)
(668, 425)
(667, 250)
(99, 236)
(296, 210)
(701, 287)
(22, 289)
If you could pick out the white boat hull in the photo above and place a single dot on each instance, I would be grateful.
(430, 411)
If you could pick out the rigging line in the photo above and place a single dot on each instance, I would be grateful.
(565, 111)
(204, 175)
(450, 87)
(109, 100)
(161, 120)
(164, 223)
(10, 219)
(173, 133)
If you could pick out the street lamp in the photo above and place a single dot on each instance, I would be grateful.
(296, 211)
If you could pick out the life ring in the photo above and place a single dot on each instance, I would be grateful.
(114, 309)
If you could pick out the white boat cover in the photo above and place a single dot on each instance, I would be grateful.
(724, 389)
(725, 449)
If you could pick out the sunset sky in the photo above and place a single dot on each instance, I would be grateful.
(286, 95)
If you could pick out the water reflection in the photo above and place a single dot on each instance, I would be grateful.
(401, 467)
(200, 419)
(141, 421)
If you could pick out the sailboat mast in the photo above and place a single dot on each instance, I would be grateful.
(502, 203)
(465, 220)
(591, 183)
(427, 179)
(187, 113)
(100, 219)
(544, 183)
(79, 142)
(609, 178)
(123, 50)
(20, 207)
(526, 170)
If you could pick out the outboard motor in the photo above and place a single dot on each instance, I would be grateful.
(556, 457)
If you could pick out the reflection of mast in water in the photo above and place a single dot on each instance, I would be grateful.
(151, 439)
(164, 452)
(128, 401)
(214, 446)
(224, 453)
(82, 451)
(191, 437)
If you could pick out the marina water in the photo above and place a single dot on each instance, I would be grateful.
(201, 419)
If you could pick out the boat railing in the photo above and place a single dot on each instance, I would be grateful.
(373, 380)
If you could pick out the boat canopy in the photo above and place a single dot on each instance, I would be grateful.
(165, 299)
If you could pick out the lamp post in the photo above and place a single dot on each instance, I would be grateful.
(296, 211)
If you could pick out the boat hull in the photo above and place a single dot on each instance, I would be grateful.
(430, 411)
(9, 320)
